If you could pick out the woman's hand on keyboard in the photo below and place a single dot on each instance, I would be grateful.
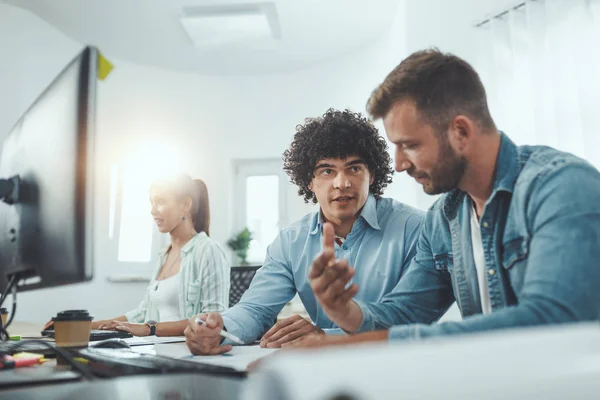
(133, 328)
(106, 325)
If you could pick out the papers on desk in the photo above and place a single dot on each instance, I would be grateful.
(238, 358)
(175, 350)
(146, 340)
(561, 362)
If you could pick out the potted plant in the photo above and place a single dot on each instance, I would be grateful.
(239, 243)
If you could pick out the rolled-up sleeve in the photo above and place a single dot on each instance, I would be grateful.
(214, 280)
(138, 314)
(423, 293)
(272, 287)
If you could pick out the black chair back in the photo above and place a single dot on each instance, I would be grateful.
(241, 277)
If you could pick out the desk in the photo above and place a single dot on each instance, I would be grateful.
(167, 387)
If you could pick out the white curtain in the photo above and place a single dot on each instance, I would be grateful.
(540, 64)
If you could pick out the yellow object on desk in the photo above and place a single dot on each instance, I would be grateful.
(25, 354)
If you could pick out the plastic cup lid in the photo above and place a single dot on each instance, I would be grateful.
(73, 315)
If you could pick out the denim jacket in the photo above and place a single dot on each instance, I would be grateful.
(540, 231)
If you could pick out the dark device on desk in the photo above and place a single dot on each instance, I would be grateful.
(46, 170)
(110, 344)
(109, 362)
(95, 334)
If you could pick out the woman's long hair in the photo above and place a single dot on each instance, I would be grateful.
(201, 216)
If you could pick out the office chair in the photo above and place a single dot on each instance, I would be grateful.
(241, 277)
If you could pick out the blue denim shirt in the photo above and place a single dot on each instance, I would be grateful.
(540, 230)
(380, 246)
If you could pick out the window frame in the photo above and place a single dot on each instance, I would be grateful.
(244, 168)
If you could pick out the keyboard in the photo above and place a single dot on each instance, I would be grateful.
(11, 347)
(95, 334)
(120, 362)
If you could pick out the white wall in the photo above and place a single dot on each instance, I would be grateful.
(218, 119)
(448, 25)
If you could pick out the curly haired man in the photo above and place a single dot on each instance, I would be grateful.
(340, 162)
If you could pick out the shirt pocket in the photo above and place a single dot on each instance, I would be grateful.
(515, 254)
(445, 263)
(193, 293)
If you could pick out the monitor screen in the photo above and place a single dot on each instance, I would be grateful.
(47, 161)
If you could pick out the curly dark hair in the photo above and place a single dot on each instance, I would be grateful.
(337, 134)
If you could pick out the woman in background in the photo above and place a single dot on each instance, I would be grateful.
(192, 275)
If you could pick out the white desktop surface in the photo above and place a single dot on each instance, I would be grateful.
(238, 358)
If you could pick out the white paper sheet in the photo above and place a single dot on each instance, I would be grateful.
(238, 358)
(149, 349)
(146, 340)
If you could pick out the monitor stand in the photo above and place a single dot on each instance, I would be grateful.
(9, 189)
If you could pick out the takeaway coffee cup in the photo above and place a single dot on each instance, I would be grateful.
(72, 328)
(4, 313)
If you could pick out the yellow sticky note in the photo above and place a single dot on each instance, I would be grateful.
(104, 67)
(28, 355)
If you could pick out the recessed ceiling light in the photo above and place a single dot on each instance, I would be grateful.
(233, 23)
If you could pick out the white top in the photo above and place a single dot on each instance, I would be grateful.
(165, 298)
(478, 256)
(204, 277)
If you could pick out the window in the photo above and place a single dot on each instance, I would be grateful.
(130, 224)
(262, 213)
(260, 186)
(135, 231)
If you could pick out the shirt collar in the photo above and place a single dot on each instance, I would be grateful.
(189, 246)
(505, 176)
(368, 213)
(507, 166)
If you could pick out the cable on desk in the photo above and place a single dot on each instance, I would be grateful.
(10, 287)
(79, 367)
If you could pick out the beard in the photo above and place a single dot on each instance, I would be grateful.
(447, 173)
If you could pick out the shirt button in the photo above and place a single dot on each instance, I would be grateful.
(491, 272)
(485, 224)
(345, 247)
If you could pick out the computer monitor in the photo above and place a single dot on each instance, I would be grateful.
(46, 175)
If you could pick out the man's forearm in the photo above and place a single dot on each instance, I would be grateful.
(174, 328)
(350, 319)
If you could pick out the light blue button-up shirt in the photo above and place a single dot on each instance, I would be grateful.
(380, 247)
